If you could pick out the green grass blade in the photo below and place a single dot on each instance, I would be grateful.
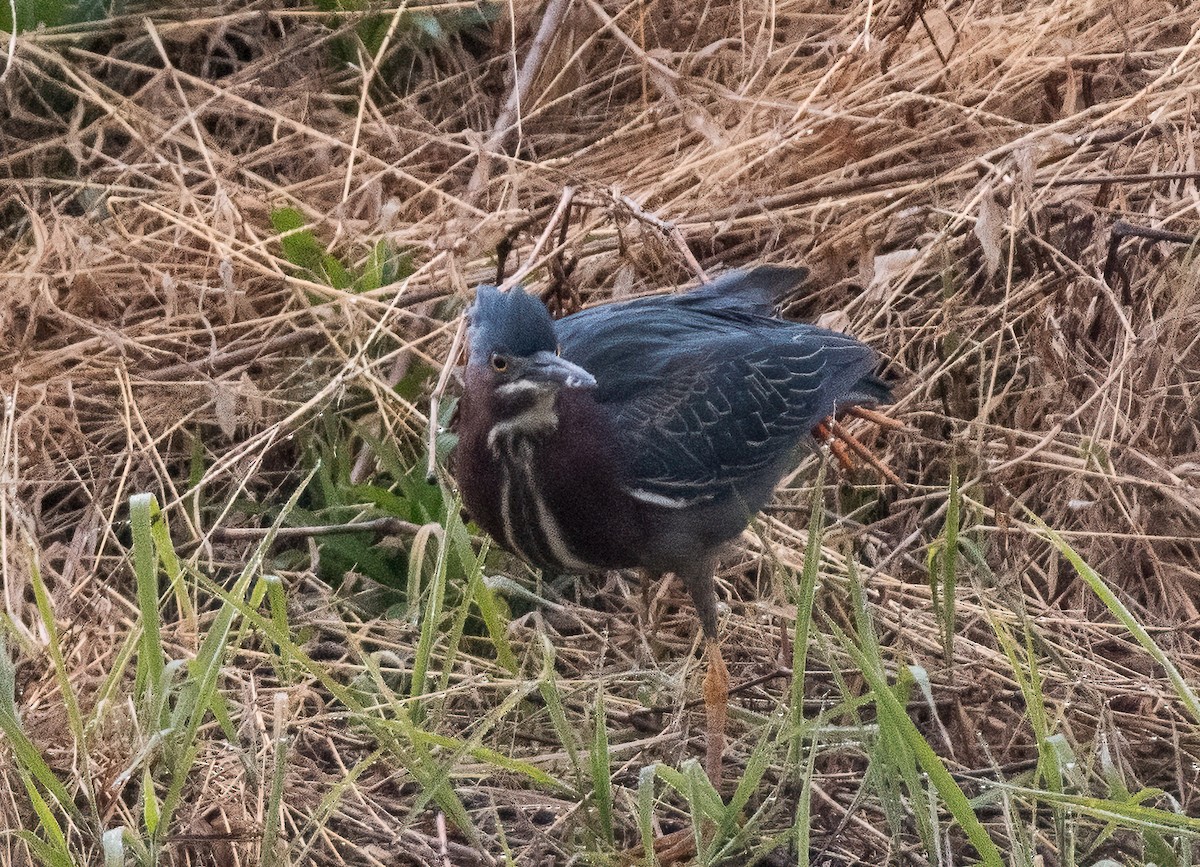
(169, 561)
(892, 761)
(1127, 814)
(727, 841)
(600, 761)
(66, 688)
(645, 796)
(25, 753)
(270, 850)
(431, 615)
(805, 597)
(802, 824)
(949, 791)
(56, 839)
(478, 593)
(472, 566)
(434, 778)
(151, 815)
(704, 801)
(1100, 587)
(198, 693)
(43, 851)
(320, 816)
(150, 659)
(949, 565)
(548, 687)
(416, 564)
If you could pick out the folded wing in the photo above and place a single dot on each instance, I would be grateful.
(709, 392)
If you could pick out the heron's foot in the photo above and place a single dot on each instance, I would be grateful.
(716, 710)
(842, 442)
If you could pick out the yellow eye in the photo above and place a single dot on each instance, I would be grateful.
(499, 362)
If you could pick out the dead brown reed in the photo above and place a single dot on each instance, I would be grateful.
(950, 174)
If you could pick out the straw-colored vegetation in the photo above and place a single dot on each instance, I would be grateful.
(235, 242)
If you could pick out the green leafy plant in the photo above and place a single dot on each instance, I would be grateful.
(32, 14)
(383, 265)
(400, 42)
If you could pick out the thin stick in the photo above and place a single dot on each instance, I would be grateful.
(669, 229)
(369, 74)
(215, 365)
(564, 202)
(1122, 230)
(1132, 178)
(394, 526)
(12, 40)
(510, 116)
(443, 839)
(435, 399)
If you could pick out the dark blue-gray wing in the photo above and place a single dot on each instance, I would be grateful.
(728, 418)
(754, 290)
(625, 344)
(734, 295)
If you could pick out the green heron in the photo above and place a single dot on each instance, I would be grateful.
(646, 434)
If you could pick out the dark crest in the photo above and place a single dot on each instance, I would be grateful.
(514, 323)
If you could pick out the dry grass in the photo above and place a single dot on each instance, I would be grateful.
(951, 175)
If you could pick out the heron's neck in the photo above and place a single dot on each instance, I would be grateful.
(523, 409)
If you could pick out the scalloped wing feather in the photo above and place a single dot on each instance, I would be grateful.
(708, 392)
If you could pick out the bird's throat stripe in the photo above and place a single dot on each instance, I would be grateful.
(506, 506)
(530, 528)
(534, 418)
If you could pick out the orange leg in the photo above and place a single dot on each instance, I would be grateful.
(842, 442)
(716, 710)
(824, 434)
